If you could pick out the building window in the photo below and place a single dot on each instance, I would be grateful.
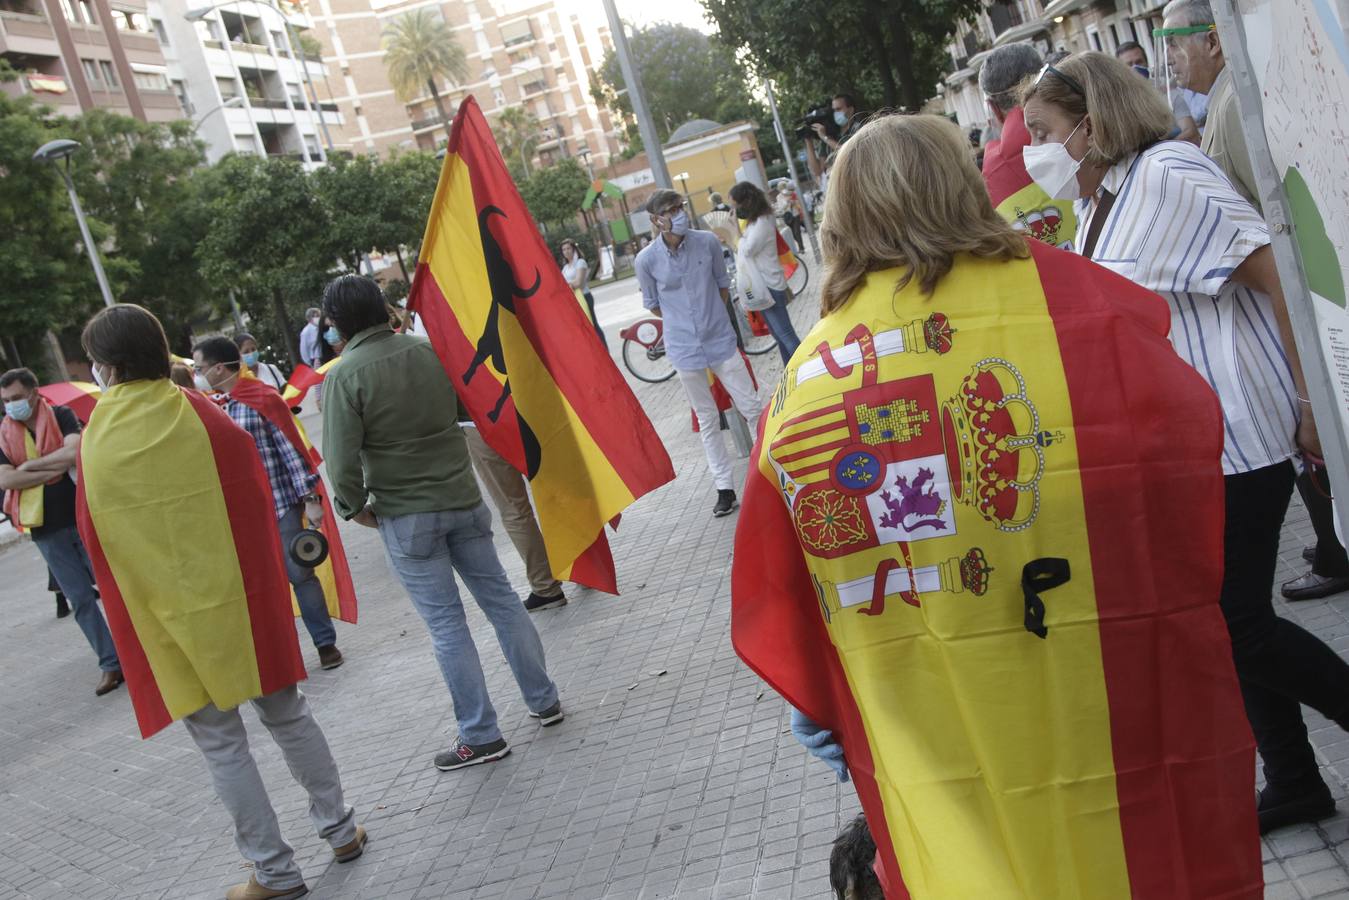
(1094, 38)
(160, 31)
(228, 87)
(130, 21)
(150, 81)
(90, 71)
(183, 100)
(499, 96)
(79, 11)
(109, 76)
(293, 90)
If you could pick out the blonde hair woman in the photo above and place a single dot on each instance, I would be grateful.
(1163, 215)
(977, 553)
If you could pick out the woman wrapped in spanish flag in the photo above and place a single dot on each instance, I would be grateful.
(980, 554)
(173, 494)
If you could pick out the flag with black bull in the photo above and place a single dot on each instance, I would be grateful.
(525, 360)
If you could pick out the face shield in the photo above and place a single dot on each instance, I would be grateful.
(1169, 49)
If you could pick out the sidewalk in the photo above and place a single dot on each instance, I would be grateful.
(673, 775)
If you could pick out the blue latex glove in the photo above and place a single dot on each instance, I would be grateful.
(820, 742)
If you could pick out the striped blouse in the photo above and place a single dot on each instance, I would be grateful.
(1179, 228)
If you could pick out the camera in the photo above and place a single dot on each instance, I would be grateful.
(823, 115)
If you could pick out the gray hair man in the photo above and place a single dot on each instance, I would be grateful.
(684, 282)
(1195, 53)
(1002, 74)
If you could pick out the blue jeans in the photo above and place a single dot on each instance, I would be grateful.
(64, 552)
(425, 550)
(779, 321)
(308, 590)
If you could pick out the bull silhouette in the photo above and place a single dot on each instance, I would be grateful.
(501, 280)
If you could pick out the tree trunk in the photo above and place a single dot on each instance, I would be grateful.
(880, 55)
(283, 328)
(440, 105)
(903, 62)
(398, 252)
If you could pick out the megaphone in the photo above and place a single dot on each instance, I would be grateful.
(309, 548)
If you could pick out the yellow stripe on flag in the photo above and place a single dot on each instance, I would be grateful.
(145, 441)
(988, 737)
(31, 512)
(575, 481)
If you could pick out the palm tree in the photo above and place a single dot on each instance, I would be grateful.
(419, 48)
(517, 131)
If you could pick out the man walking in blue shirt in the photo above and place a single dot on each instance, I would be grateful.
(684, 282)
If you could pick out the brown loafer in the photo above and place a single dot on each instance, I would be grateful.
(254, 891)
(352, 849)
(109, 682)
(330, 657)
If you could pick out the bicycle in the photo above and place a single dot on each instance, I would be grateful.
(644, 351)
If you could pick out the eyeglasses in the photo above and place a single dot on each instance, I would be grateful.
(1066, 79)
(1188, 29)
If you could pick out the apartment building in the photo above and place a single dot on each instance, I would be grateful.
(78, 55)
(532, 56)
(1069, 25)
(242, 73)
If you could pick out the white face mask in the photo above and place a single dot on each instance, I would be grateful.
(1053, 168)
(202, 384)
(99, 378)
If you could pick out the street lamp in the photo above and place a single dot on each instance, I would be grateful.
(236, 100)
(54, 152)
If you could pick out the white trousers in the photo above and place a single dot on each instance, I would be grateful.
(736, 379)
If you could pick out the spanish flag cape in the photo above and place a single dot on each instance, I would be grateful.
(25, 507)
(1018, 199)
(982, 544)
(175, 510)
(334, 574)
(523, 358)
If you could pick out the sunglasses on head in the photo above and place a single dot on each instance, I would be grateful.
(1066, 79)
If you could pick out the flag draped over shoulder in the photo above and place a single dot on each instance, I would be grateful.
(982, 543)
(525, 360)
(1017, 198)
(175, 510)
(334, 573)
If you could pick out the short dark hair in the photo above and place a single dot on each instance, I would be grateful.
(243, 337)
(847, 100)
(1126, 47)
(24, 377)
(662, 199)
(130, 339)
(218, 350)
(751, 200)
(354, 303)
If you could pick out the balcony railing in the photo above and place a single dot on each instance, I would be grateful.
(426, 122)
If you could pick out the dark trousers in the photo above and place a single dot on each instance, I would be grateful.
(594, 319)
(1331, 560)
(1280, 665)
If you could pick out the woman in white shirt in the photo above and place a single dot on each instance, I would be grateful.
(757, 257)
(577, 272)
(248, 354)
(1163, 215)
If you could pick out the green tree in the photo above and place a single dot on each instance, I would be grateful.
(685, 75)
(891, 49)
(420, 48)
(48, 283)
(411, 185)
(136, 179)
(517, 133)
(554, 195)
(352, 192)
(269, 239)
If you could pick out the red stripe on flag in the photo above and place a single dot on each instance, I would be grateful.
(1175, 708)
(595, 567)
(257, 543)
(152, 715)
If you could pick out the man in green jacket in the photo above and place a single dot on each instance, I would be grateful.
(398, 461)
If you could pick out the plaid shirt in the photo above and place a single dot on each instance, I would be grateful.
(288, 472)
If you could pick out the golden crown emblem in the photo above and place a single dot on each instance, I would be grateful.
(995, 445)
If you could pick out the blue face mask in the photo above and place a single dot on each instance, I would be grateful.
(251, 359)
(19, 410)
(679, 223)
(840, 118)
(332, 336)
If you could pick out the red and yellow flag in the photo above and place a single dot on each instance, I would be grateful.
(982, 543)
(303, 378)
(1017, 198)
(176, 512)
(333, 573)
(524, 358)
